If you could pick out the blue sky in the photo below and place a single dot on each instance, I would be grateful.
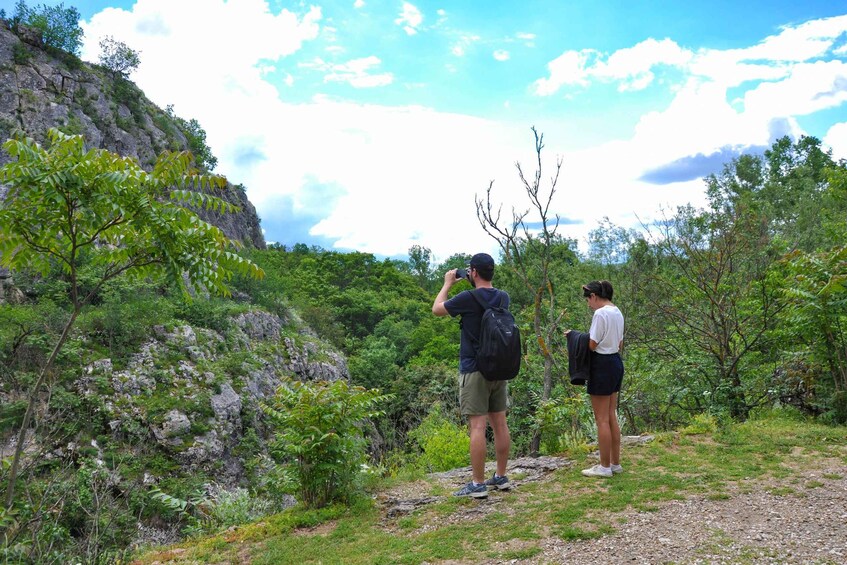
(372, 126)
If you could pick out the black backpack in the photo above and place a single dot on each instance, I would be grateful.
(499, 354)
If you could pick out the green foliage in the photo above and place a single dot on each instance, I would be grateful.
(59, 26)
(195, 135)
(126, 93)
(562, 422)
(445, 444)
(66, 204)
(701, 424)
(817, 315)
(208, 313)
(21, 54)
(236, 507)
(374, 363)
(11, 415)
(103, 198)
(117, 57)
(319, 436)
(193, 512)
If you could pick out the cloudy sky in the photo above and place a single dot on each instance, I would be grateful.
(372, 125)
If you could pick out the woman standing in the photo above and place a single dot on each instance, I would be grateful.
(606, 375)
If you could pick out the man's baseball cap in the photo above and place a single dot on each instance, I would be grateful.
(482, 261)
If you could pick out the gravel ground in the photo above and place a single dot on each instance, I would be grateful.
(806, 526)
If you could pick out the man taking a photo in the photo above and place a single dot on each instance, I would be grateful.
(481, 400)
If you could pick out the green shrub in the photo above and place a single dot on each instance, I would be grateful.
(444, 443)
(701, 424)
(839, 407)
(126, 93)
(561, 421)
(236, 507)
(195, 135)
(11, 415)
(319, 438)
(213, 314)
(20, 54)
(59, 26)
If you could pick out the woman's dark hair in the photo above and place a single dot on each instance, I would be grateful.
(603, 289)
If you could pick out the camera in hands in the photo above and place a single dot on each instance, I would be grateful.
(461, 273)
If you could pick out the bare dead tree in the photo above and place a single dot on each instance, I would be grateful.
(528, 252)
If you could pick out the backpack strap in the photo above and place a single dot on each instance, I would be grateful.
(485, 305)
(479, 301)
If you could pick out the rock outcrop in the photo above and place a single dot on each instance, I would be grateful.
(194, 414)
(41, 89)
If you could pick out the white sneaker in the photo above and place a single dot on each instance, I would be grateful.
(597, 471)
(617, 469)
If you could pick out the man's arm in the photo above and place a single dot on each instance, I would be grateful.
(438, 306)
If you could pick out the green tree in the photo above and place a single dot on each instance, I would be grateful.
(711, 300)
(59, 26)
(420, 261)
(67, 206)
(118, 57)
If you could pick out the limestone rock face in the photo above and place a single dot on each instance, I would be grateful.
(39, 91)
(200, 416)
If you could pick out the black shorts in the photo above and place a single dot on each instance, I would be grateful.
(606, 374)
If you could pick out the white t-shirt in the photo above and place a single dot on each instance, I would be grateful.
(607, 329)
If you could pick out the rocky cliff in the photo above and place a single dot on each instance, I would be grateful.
(44, 88)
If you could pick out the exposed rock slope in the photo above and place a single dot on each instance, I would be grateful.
(42, 89)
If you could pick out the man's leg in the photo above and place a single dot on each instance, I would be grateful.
(477, 426)
(502, 440)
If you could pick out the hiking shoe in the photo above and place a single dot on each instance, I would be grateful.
(617, 469)
(597, 471)
(496, 482)
(472, 490)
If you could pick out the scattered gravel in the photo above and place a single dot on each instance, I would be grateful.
(806, 526)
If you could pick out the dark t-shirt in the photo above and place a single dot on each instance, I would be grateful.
(464, 305)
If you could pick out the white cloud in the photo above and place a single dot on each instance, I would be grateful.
(800, 43)
(501, 55)
(359, 4)
(460, 46)
(836, 139)
(527, 38)
(410, 18)
(569, 68)
(808, 88)
(633, 67)
(355, 72)
(400, 164)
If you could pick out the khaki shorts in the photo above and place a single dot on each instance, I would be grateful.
(478, 396)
